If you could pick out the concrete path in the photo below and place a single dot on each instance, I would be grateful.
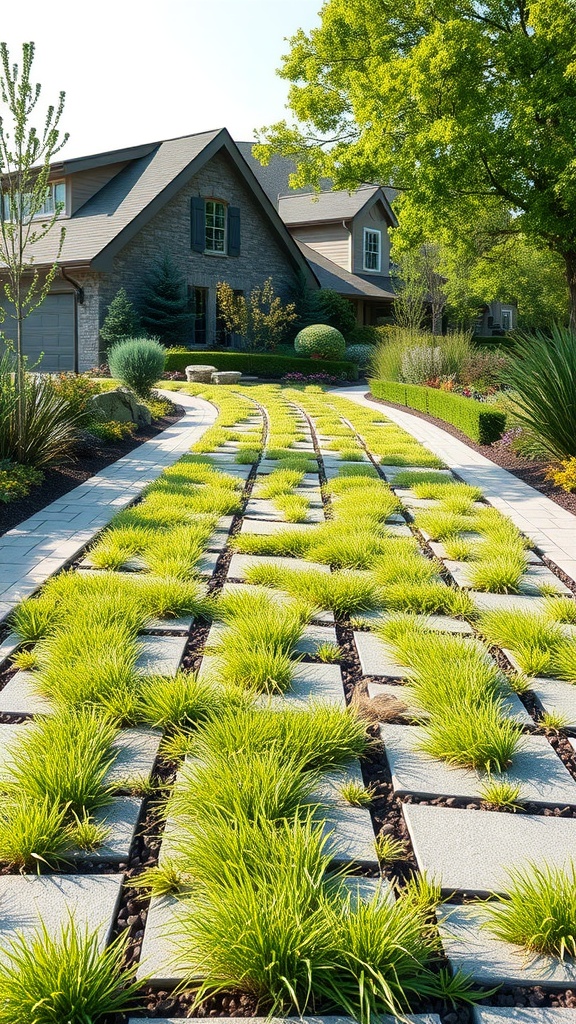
(550, 527)
(42, 544)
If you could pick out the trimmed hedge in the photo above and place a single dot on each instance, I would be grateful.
(259, 364)
(478, 422)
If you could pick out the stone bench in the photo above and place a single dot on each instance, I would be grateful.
(226, 377)
(199, 374)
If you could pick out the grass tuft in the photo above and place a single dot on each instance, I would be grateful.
(538, 911)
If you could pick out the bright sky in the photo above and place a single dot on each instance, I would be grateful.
(135, 71)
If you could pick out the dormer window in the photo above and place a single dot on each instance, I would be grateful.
(372, 249)
(215, 226)
(55, 200)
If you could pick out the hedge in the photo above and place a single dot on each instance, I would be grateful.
(478, 422)
(259, 364)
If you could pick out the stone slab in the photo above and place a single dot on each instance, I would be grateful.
(240, 563)
(523, 1015)
(121, 819)
(160, 655)
(7, 647)
(508, 602)
(160, 959)
(554, 695)
(473, 851)
(442, 623)
(350, 828)
(180, 625)
(29, 900)
(311, 683)
(217, 542)
(423, 1018)
(280, 596)
(259, 508)
(512, 706)
(529, 586)
(268, 527)
(207, 563)
(136, 752)
(20, 697)
(536, 768)
(471, 948)
(377, 657)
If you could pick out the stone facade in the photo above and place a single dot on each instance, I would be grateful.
(262, 255)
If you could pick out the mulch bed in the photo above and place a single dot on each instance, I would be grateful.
(64, 478)
(531, 471)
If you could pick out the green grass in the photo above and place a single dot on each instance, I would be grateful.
(444, 489)
(538, 911)
(440, 524)
(344, 593)
(280, 481)
(34, 618)
(180, 702)
(501, 574)
(329, 653)
(501, 793)
(472, 736)
(47, 978)
(538, 644)
(408, 478)
(32, 833)
(293, 507)
(428, 598)
(390, 850)
(291, 543)
(561, 609)
(356, 794)
(459, 549)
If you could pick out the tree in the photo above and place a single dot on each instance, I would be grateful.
(26, 153)
(121, 320)
(450, 101)
(165, 310)
(262, 319)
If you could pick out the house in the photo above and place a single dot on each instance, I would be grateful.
(195, 197)
(345, 236)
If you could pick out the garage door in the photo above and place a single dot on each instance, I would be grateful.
(48, 334)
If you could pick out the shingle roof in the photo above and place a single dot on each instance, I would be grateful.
(330, 275)
(324, 206)
(107, 221)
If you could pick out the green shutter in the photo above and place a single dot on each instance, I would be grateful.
(233, 231)
(197, 224)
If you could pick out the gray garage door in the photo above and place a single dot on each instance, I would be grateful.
(48, 333)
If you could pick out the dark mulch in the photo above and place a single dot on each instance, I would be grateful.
(531, 471)
(64, 478)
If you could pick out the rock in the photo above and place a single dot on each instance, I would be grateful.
(199, 374)
(120, 405)
(226, 377)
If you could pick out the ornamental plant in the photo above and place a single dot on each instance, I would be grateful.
(320, 342)
(138, 363)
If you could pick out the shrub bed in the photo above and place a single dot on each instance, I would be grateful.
(258, 364)
(481, 424)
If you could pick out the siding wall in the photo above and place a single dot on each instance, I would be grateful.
(373, 217)
(330, 240)
(85, 184)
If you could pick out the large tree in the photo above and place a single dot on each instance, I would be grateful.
(451, 101)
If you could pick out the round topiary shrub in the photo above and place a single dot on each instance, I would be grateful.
(138, 363)
(320, 341)
(361, 354)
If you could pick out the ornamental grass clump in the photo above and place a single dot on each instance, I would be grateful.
(439, 523)
(32, 833)
(472, 735)
(539, 644)
(344, 593)
(69, 976)
(427, 598)
(279, 481)
(138, 363)
(180, 702)
(538, 910)
(294, 507)
(291, 543)
(500, 573)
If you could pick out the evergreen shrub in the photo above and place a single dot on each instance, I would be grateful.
(138, 363)
(320, 341)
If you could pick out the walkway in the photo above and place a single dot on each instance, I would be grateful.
(550, 527)
(45, 542)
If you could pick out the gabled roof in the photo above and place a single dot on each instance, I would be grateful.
(100, 228)
(330, 275)
(323, 207)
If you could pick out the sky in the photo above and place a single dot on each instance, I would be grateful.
(136, 72)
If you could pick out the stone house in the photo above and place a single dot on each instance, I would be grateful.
(194, 197)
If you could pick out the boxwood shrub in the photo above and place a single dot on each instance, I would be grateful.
(477, 421)
(259, 364)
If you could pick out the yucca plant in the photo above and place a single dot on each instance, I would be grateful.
(542, 373)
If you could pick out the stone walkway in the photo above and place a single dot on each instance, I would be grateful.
(42, 544)
(550, 527)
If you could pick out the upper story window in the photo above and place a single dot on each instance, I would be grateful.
(55, 199)
(372, 249)
(215, 226)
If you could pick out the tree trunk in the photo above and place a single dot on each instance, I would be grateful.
(570, 262)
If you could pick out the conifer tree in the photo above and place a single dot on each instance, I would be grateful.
(121, 320)
(165, 310)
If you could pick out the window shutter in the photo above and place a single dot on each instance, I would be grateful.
(233, 231)
(197, 224)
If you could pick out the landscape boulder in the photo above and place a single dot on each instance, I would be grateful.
(199, 374)
(121, 405)
(226, 377)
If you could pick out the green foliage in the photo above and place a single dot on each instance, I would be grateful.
(500, 793)
(262, 319)
(32, 834)
(179, 702)
(17, 481)
(38, 428)
(164, 307)
(477, 421)
(260, 364)
(111, 430)
(538, 911)
(335, 311)
(320, 341)
(45, 978)
(542, 372)
(121, 320)
(77, 390)
(138, 363)
(361, 354)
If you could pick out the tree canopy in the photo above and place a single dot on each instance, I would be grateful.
(453, 102)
